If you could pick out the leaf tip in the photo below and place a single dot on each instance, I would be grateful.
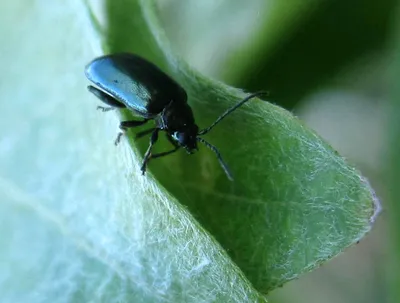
(376, 203)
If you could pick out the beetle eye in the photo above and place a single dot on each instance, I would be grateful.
(178, 136)
(181, 137)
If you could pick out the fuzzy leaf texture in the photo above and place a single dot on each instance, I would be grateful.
(79, 223)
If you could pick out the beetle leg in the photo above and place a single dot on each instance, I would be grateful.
(147, 155)
(106, 98)
(164, 153)
(174, 143)
(116, 141)
(176, 147)
(124, 125)
(144, 133)
(105, 109)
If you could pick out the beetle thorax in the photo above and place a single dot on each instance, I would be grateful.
(177, 119)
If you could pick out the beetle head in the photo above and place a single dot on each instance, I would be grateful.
(187, 138)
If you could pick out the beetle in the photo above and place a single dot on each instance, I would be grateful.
(129, 81)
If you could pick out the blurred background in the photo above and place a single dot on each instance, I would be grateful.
(330, 63)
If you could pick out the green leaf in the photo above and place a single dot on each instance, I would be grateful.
(78, 221)
(294, 203)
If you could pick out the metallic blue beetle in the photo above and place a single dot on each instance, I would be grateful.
(129, 81)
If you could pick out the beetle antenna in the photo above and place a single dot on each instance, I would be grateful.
(219, 157)
(206, 130)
